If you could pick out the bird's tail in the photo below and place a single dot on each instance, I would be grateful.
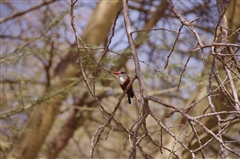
(129, 99)
(132, 93)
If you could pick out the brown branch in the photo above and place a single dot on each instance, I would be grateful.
(105, 50)
(197, 137)
(212, 106)
(143, 90)
(174, 44)
(133, 49)
(215, 113)
(184, 69)
(204, 128)
(26, 11)
(99, 131)
(155, 29)
(224, 39)
(218, 44)
(186, 23)
(170, 133)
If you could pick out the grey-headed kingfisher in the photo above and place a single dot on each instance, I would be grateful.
(124, 80)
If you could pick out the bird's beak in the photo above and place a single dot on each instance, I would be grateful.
(116, 73)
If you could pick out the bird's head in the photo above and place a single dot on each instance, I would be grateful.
(122, 76)
(120, 73)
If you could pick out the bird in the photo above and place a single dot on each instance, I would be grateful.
(124, 80)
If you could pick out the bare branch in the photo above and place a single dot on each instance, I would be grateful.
(26, 11)
(186, 23)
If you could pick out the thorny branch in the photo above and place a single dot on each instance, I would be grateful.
(221, 49)
(190, 26)
(98, 132)
(191, 134)
(186, 23)
(135, 141)
(105, 50)
(143, 90)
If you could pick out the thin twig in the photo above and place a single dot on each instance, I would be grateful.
(186, 23)
(174, 44)
(184, 68)
(155, 29)
(106, 50)
(25, 11)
